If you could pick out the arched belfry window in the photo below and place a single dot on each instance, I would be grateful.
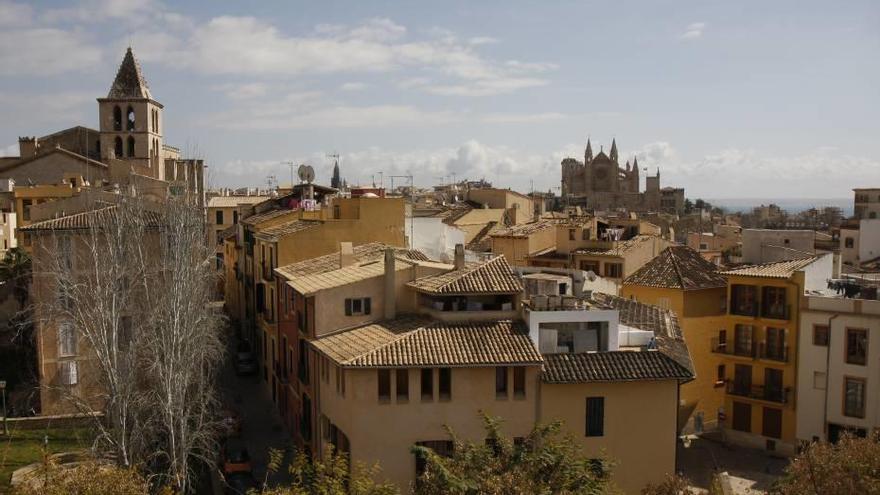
(118, 147)
(130, 145)
(130, 119)
(117, 118)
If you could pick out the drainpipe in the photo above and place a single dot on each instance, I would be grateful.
(827, 377)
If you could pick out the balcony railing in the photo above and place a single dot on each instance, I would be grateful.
(729, 348)
(737, 308)
(760, 392)
(773, 352)
(776, 311)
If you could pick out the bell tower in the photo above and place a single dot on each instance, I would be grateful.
(131, 121)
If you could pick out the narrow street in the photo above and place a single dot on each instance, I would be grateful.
(262, 426)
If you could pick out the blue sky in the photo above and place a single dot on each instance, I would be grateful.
(729, 99)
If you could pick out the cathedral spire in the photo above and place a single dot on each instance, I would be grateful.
(335, 182)
(129, 82)
(588, 154)
(613, 153)
(636, 162)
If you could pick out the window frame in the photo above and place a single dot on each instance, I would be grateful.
(426, 377)
(383, 385)
(593, 426)
(817, 329)
(864, 385)
(864, 354)
(502, 388)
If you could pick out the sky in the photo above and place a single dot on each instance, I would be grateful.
(729, 99)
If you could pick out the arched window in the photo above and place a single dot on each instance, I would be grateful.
(130, 145)
(130, 119)
(118, 147)
(117, 118)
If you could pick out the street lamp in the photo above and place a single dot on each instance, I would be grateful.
(3, 393)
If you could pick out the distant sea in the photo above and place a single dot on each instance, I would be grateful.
(791, 205)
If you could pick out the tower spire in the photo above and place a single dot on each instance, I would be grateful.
(588, 154)
(129, 82)
(613, 153)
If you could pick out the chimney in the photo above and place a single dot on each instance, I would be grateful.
(390, 285)
(459, 256)
(346, 254)
(27, 146)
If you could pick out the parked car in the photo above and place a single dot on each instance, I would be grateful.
(245, 363)
(236, 458)
(240, 483)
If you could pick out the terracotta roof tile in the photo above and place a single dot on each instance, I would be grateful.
(524, 230)
(89, 219)
(678, 267)
(276, 232)
(330, 262)
(612, 366)
(617, 248)
(488, 277)
(233, 201)
(778, 269)
(266, 215)
(416, 342)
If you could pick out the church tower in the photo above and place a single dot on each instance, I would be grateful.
(613, 153)
(588, 153)
(131, 121)
(335, 181)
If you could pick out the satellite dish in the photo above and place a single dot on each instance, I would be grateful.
(301, 173)
(310, 174)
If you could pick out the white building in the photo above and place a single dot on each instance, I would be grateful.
(767, 245)
(433, 237)
(7, 232)
(838, 382)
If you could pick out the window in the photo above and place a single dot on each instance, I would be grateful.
(235, 216)
(445, 383)
(614, 270)
(854, 397)
(68, 373)
(742, 417)
(856, 346)
(402, 385)
(773, 304)
(742, 379)
(720, 374)
(743, 300)
(427, 384)
(819, 380)
(773, 388)
(340, 381)
(117, 118)
(742, 340)
(130, 146)
(117, 147)
(572, 233)
(219, 217)
(849, 242)
(336, 212)
(384, 385)
(585, 235)
(501, 382)
(66, 340)
(129, 119)
(303, 370)
(358, 306)
(771, 423)
(219, 236)
(590, 266)
(774, 344)
(820, 335)
(595, 426)
(519, 382)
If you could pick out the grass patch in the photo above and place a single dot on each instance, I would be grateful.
(23, 447)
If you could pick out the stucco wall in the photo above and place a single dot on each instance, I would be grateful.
(765, 245)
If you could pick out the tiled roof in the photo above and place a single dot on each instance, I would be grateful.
(482, 241)
(129, 82)
(619, 248)
(488, 277)
(310, 284)
(233, 201)
(778, 269)
(663, 322)
(612, 366)
(524, 230)
(416, 342)
(330, 262)
(266, 215)
(276, 232)
(678, 267)
(89, 219)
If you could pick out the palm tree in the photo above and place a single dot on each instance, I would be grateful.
(15, 269)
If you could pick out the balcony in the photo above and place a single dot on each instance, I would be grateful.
(779, 395)
(729, 348)
(743, 309)
(776, 311)
(773, 352)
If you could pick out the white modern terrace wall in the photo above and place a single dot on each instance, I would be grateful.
(534, 319)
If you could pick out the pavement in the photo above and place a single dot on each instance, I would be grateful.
(750, 471)
(262, 426)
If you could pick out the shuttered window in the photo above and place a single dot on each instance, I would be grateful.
(595, 417)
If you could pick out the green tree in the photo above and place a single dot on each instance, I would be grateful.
(851, 466)
(328, 476)
(15, 269)
(544, 462)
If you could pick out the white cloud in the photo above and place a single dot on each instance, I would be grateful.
(522, 118)
(309, 116)
(482, 40)
(132, 11)
(244, 91)
(41, 109)
(693, 31)
(15, 14)
(46, 51)
(352, 86)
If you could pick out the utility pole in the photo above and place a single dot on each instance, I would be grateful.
(291, 164)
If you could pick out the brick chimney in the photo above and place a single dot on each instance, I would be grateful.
(27, 146)
(346, 254)
(459, 256)
(390, 294)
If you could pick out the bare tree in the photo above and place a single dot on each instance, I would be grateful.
(132, 283)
